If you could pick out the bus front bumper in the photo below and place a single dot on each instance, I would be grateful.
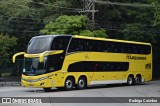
(46, 83)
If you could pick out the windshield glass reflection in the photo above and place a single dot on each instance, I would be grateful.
(32, 66)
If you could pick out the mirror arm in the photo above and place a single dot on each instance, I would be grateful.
(17, 54)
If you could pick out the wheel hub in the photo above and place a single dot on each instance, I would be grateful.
(68, 84)
(130, 80)
(81, 83)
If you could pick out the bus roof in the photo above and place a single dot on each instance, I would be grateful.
(94, 38)
(114, 40)
(51, 35)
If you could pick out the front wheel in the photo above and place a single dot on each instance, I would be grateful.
(82, 83)
(130, 80)
(69, 83)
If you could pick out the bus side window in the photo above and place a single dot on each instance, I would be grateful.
(76, 45)
(122, 48)
(147, 49)
(116, 47)
(59, 44)
(108, 47)
(119, 47)
(127, 48)
(92, 46)
(105, 47)
(134, 49)
(112, 46)
(102, 47)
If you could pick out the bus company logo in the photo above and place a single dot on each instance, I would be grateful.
(129, 57)
(6, 100)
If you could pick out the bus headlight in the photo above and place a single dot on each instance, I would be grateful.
(35, 80)
(39, 79)
(42, 78)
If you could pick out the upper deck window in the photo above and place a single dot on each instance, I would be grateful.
(108, 46)
(60, 43)
(77, 45)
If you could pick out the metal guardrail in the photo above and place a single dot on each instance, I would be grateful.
(10, 73)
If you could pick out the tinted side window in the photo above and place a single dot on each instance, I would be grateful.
(60, 43)
(55, 62)
(105, 47)
(147, 49)
(92, 45)
(119, 47)
(108, 46)
(77, 45)
(90, 66)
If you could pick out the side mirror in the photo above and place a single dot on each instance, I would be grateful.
(47, 53)
(17, 54)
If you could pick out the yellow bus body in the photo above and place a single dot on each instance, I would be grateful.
(142, 65)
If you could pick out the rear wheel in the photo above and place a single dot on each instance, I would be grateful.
(130, 80)
(138, 79)
(69, 83)
(82, 83)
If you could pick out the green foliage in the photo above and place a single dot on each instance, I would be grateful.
(157, 14)
(6, 45)
(100, 33)
(137, 32)
(76, 25)
(65, 25)
(96, 33)
(86, 33)
(25, 18)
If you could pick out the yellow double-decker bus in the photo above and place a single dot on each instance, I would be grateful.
(67, 61)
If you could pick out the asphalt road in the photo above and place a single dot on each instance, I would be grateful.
(148, 89)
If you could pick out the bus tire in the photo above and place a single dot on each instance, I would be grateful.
(69, 83)
(82, 83)
(138, 79)
(130, 80)
(47, 89)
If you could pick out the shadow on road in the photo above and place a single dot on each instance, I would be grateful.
(88, 88)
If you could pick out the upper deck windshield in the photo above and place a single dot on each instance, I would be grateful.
(51, 63)
(39, 45)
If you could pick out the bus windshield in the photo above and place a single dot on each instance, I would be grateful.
(32, 66)
(39, 45)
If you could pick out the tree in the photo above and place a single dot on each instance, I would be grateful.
(6, 45)
(25, 18)
(78, 25)
(157, 13)
(137, 32)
